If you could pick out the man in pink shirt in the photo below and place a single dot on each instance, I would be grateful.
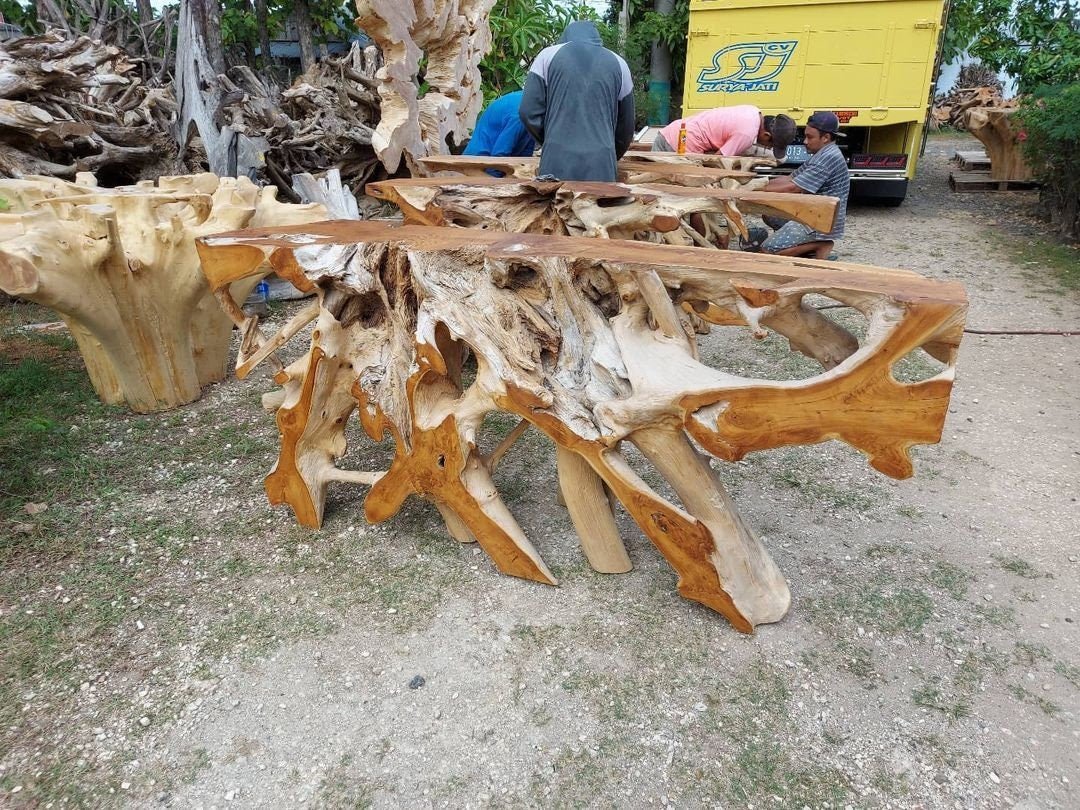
(729, 131)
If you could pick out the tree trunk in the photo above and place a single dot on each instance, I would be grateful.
(146, 11)
(624, 25)
(208, 15)
(133, 294)
(264, 38)
(302, 18)
(660, 73)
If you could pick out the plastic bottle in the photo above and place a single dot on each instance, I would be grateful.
(264, 291)
(681, 148)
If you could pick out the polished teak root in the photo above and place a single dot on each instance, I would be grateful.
(585, 340)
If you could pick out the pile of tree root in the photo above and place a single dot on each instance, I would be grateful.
(324, 121)
(951, 109)
(72, 105)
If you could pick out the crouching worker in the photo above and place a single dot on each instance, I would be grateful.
(499, 131)
(826, 173)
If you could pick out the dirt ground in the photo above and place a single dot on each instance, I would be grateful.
(168, 639)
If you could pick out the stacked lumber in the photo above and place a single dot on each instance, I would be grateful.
(73, 105)
(950, 110)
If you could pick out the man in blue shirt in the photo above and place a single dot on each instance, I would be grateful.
(826, 172)
(500, 132)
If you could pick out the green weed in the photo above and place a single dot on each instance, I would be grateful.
(1019, 566)
(877, 604)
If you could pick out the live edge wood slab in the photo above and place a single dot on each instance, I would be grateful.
(586, 341)
(630, 170)
(652, 212)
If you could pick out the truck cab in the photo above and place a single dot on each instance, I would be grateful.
(872, 62)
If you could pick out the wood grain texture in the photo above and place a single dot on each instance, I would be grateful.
(997, 130)
(120, 267)
(653, 212)
(587, 340)
(630, 170)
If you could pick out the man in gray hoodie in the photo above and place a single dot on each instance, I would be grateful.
(579, 104)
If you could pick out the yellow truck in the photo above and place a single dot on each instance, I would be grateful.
(872, 62)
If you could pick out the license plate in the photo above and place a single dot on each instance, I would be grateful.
(796, 153)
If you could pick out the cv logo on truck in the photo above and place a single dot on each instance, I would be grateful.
(757, 64)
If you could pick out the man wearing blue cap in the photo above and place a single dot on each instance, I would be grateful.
(826, 172)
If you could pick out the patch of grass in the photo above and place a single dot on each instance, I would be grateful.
(859, 661)
(615, 696)
(879, 551)
(1049, 708)
(997, 616)
(953, 694)
(889, 784)
(1043, 257)
(1069, 672)
(878, 605)
(910, 512)
(42, 458)
(1029, 654)
(931, 695)
(916, 366)
(754, 712)
(252, 632)
(764, 768)
(582, 775)
(950, 578)
(1019, 566)
(340, 788)
(937, 751)
(822, 492)
(192, 764)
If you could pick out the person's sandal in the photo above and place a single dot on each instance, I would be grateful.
(755, 239)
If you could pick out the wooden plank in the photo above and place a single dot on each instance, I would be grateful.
(970, 181)
(972, 161)
(815, 211)
(525, 168)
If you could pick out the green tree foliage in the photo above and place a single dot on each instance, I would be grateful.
(520, 29)
(1051, 120)
(332, 20)
(645, 26)
(21, 14)
(1037, 41)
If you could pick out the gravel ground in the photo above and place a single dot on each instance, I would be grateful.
(929, 658)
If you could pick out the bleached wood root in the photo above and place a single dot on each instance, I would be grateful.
(998, 133)
(585, 340)
(446, 39)
(586, 500)
(120, 267)
(738, 163)
(607, 210)
(629, 170)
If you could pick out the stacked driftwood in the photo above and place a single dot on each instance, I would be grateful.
(74, 105)
(325, 120)
(71, 105)
(950, 109)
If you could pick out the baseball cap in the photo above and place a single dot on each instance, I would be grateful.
(825, 121)
(783, 133)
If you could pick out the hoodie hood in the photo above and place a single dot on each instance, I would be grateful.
(581, 31)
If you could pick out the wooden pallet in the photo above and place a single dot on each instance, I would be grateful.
(981, 181)
(972, 161)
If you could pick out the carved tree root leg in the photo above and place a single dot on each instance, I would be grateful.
(744, 568)
(455, 525)
(589, 507)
